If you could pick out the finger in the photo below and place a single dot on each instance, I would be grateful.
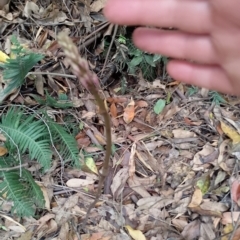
(210, 77)
(187, 15)
(176, 44)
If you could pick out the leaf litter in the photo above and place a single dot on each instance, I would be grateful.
(174, 163)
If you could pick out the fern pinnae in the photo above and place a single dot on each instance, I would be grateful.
(15, 191)
(35, 191)
(69, 149)
(29, 134)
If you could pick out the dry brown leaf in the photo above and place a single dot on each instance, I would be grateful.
(129, 112)
(222, 150)
(179, 223)
(235, 192)
(100, 138)
(196, 198)
(107, 235)
(3, 151)
(119, 182)
(46, 197)
(143, 161)
(26, 236)
(229, 217)
(137, 187)
(157, 84)
(181, 133)
(149, 202)
(131, 170)
(44, 219)
(192, 230)
(2, 137)
(88, 115)
(142, 104)
(214, 206)
(113, 110)
(76, 182)
(193, 123)
(207, 150)
(204, 212)
(98, 5)
(52, 84)
(39, 81)
(30, 8)
(206, 231)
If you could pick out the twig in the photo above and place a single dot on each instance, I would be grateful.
(110, 47)
(52, 74)
(13, 168)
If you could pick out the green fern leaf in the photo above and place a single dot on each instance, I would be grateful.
(35, 191)
(29, 134)
(68, 144)
(16, 191)
(62, 102)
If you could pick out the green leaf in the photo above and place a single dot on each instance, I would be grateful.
(149, 60)
(156, 57)
(136, 61)
(203, 184)
(159, 106)
(68, 144)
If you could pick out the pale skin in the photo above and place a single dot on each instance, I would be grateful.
(205, 47)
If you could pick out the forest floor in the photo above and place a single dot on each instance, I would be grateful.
(174, 170)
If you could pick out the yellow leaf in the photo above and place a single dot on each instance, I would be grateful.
(227, 229)
(230, 132)
(90, 165)
(3, 57)
(135, 234)
(3, 151)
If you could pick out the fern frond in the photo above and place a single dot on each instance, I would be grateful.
(29, 134)
(23, 191)
(35, 191)
(62, 102)
(16, 191)
(68, 144)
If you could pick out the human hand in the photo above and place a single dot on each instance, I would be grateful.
(206, 46)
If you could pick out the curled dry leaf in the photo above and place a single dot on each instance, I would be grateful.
(230, 132)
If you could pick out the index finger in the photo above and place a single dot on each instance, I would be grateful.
(186, 15)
